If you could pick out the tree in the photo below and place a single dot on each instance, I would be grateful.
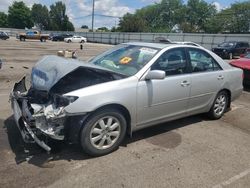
(150, 14)
(170, 13)
(198, 13)
(114, 29)
(84, 27)
(131, 23)
(19, 16)
(40, 16)
(59, 19)
(103, 29)
(238, 17)
(3, 19)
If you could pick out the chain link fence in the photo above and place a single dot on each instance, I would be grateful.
(206, 40)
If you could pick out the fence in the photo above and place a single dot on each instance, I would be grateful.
(206, 40)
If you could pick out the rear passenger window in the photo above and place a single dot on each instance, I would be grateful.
(173, 62)
(202, 61)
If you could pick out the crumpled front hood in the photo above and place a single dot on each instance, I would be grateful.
(50, 69)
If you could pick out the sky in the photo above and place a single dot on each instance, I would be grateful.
(79, 11)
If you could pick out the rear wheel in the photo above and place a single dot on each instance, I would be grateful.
(103, 132)
(83, 41)
(22, 38)
(219, 106)
(43, 40)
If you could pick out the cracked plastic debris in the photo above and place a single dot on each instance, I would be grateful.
(49, 120)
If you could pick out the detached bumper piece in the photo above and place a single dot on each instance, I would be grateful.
(25, 128)
(35, 127)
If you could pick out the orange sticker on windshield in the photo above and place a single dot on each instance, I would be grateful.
(125, 60)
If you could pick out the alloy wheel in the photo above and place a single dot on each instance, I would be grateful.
(105, 132)
(220, 105)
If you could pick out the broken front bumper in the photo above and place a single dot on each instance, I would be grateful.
(33, 128)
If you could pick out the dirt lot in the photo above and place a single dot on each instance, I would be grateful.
(192, 152)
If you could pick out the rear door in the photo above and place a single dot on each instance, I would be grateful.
(165, 99)
(76, 39)
(207, 79)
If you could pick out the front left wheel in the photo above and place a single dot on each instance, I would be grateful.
(103, 132)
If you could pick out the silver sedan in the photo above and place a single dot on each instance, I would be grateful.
(127, 88)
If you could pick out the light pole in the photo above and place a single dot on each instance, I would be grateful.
(93, 15)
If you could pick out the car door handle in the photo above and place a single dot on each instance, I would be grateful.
(220, 77)
(185, 83)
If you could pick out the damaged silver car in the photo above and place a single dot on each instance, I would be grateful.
(127, 88)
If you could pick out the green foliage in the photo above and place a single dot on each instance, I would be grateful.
(198, 12)
(85, 27)
(40, 16)
(59, 19)
(103, 29)
(240, 18)
(132, 23)
(19, 16)
(114, 29)
(3, 19)
(195, 16)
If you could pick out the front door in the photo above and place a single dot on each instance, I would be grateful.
(160, 100)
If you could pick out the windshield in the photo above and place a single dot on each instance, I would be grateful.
(227, 44)
(125, 59)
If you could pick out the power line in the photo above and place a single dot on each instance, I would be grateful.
(101, 15)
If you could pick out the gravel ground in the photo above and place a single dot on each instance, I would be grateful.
(191, 152)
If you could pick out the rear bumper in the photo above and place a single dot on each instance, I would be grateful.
(246, 80)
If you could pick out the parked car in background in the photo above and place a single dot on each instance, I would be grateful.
(78, 39)
(244, 64)
(4, 35)
(51, 36)
(246, 53)
(34, 35)
(231, 49)
(61, 37)
(129, 87)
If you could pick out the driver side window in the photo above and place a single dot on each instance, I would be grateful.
(173, 62)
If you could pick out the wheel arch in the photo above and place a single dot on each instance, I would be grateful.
(229, 96)
(73, 132)
(121, 109)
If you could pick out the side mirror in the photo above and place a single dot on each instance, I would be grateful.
(155, 75)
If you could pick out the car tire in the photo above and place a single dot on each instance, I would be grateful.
(103, 132)
(230, 56)
(43, 40)
(83, 41)
(219, 106)
(69, 41)
(22, 38)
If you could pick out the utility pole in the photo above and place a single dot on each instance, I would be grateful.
(93, 15)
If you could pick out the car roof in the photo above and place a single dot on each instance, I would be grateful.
(232, 41)
(152, 45)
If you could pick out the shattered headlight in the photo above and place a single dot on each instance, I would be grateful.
(60, 100)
